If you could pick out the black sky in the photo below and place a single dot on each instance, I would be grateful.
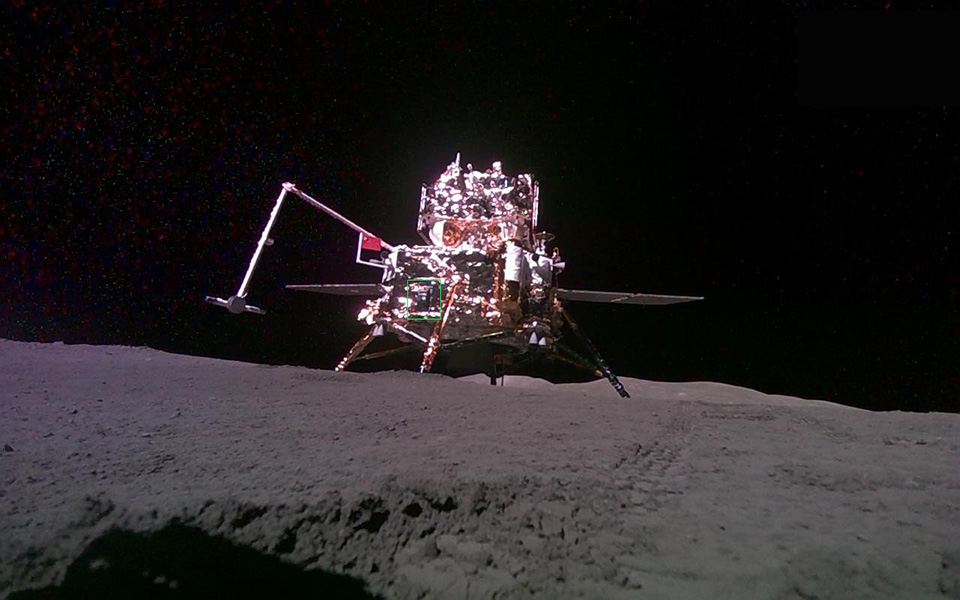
(146, 141)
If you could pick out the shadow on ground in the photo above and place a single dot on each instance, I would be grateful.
(184, 562)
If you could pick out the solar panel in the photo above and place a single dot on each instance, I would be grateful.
(341, 289)
(622, 297)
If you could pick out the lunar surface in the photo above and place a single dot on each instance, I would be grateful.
(132, 472)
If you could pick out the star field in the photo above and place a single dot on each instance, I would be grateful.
(144, 143)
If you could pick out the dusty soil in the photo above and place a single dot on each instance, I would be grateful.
(132, 469)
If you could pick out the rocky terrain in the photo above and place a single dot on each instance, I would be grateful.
(128, 471)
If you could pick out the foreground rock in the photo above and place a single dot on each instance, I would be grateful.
(130, 467)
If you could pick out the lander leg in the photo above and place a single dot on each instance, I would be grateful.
(383, 353)
(356, 349)
(497, 370)
(601, 364)
(434, 344)
(567, 355)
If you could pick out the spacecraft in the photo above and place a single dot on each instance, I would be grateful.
(483, 285)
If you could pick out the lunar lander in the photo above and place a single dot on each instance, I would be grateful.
(485, 278)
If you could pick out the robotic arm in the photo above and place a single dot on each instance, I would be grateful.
(237, 303)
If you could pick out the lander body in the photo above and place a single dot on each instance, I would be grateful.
(483, 284)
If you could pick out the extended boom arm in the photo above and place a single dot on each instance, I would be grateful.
(237, 303)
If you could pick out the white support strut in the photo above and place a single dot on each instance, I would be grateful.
(242, 292)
